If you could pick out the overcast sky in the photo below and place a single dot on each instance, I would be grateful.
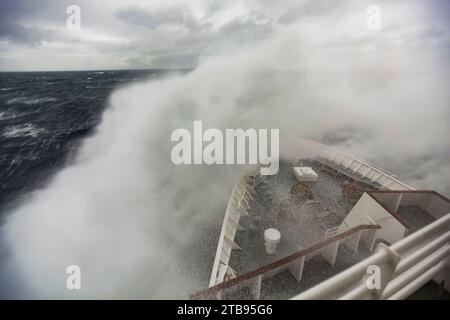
(118, 34)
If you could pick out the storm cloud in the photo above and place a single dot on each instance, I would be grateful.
(118, 34)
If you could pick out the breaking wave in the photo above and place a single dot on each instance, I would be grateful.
(8, 115)
(24, 130)
(30, 101)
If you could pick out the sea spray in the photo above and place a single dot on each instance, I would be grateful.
(140, 227)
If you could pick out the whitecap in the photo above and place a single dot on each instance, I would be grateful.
(23, 130)
(10, 115)
(30, 101)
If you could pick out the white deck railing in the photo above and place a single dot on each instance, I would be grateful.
(385, 179)
(238, 205)
(405, 267)
(293, 263)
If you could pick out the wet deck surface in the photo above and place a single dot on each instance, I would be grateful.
(430, 291)
(301, 222)
(414, 217)
(284, 286)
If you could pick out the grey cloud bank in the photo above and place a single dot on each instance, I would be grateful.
(178, 34)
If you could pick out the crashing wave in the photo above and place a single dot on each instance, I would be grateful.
(25, 130)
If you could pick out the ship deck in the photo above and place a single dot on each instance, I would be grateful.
(300, 221)
(303, 212)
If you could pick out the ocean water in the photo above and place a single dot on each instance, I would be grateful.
(43, 117)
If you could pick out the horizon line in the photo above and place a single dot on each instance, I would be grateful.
(98, 70)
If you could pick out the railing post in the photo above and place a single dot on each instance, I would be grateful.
(399, 201)
(387, 268)
(330, 252)
(257, 288)
(296, 268)
(352, 242)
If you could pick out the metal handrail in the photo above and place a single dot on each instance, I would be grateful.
(410, 266)
(279, 263)
(324, 149)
